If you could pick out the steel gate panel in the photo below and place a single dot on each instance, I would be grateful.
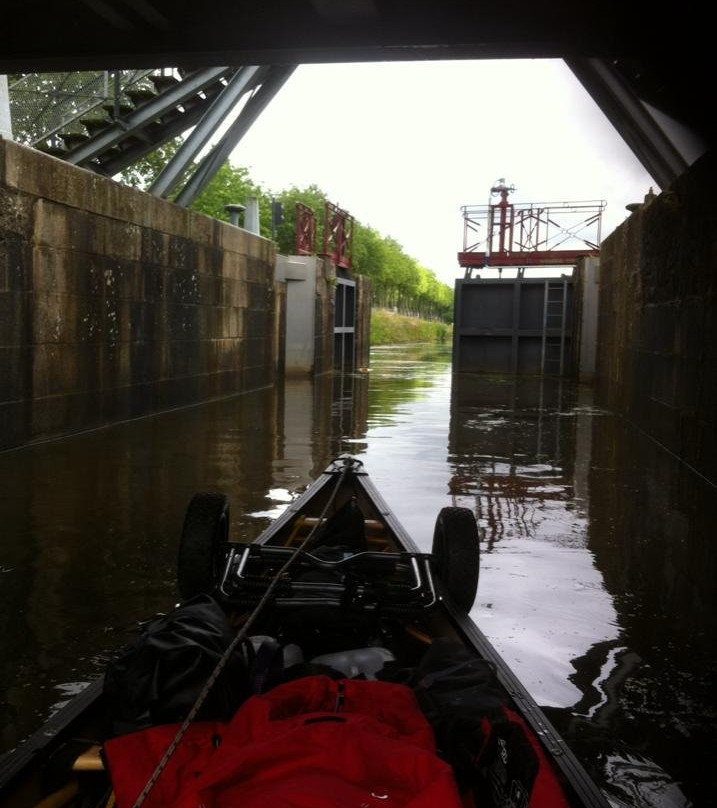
(513, 325)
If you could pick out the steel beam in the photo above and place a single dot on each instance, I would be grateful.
(214, 160)
(213, 118)
(624, 109)
(146, 113)
(544, 258)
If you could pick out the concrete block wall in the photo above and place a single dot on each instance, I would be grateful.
(657, 322)
(363, 321)
(586, 297)
(310, 309)
(115, 304)
(324, 309)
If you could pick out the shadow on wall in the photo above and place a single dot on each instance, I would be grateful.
(657, 322)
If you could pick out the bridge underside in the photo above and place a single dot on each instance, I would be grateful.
(626, 55)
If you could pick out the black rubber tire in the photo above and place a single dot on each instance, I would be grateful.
(456, 548)
(206, 527)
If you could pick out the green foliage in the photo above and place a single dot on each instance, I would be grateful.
(397, 281)
(143, 173)
(229, 186)
(390, 328)
(314, 198)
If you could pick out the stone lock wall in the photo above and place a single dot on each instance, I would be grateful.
(115, 304)
(657, 319)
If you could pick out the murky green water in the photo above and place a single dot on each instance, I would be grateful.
(598, 559)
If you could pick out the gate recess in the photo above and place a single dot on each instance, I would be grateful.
(345, 325)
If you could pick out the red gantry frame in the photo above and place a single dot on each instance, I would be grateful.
(305, 230)
(338, 235)
(527, 235)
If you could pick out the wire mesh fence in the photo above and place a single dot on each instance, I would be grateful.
(44, 104)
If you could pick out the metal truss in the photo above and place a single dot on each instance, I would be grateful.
(213, 118)
(139, 120)
(272, 80)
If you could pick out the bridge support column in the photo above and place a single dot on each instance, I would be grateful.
(5, 120)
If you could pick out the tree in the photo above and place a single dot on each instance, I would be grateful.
(313, 197)
(232, 185)
(397, 280)
(143, 173)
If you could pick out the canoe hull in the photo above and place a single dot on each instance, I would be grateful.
(419, 621)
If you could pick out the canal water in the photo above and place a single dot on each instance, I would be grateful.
(598, 563)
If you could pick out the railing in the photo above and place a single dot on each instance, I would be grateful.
(43, 104)
(338, 235)
(532, 234)
(305, 243)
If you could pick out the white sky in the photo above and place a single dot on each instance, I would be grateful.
(403, 145)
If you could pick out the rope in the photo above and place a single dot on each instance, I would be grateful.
(201, 698)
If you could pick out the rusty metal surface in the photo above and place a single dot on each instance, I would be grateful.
(338, 235)
(305, 230)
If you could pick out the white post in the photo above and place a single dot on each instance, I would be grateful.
(251, 215)
(589, 327)
(5, 124)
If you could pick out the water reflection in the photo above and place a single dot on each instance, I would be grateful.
(512, 453)
(597, 580)
(319, 419)
(651, 527)
(598, 567)
(90, 523)
(90, 528)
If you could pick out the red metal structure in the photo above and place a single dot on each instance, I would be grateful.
(534, 234)
(338, 235)
(305, 242)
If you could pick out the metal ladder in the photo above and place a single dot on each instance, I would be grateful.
(555, 303)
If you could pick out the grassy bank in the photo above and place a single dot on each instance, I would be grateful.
(388, 328)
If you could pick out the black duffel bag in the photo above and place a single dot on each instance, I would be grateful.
(157, 678)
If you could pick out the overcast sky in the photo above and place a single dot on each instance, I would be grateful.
(402, 146)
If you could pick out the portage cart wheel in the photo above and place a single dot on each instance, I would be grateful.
(206, 527)
(456, 547)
